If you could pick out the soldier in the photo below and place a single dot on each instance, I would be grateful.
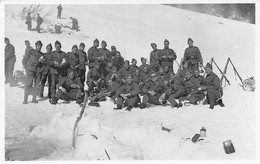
(39, 22)
(153, 91)
(176, 90)
(145, 74)
(154, 58)
(113, 52)
(192, 56)
(10, 59)
(138, 79)
(133, 65)
(128, 94)
(29, 21)
(73, 59)
(118, 61)
(83, 61)
(93, 54)
(105, 55)
(33, 66)
(95, 79)
(143, 61)
(28, 47)
(58, 67)
(167, 74)
(109, 68)
(69, 88)
(75, 24)
(167, 56)
(181, 72)
(161, 74)
(46, 72)
(103, 51)
(191, 90)
(213, 88)
(198, 78)
(59, 11)
(124, 71)
(113, 75)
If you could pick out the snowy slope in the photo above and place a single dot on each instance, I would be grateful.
(138, 134)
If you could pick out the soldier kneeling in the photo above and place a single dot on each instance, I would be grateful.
(69, 88)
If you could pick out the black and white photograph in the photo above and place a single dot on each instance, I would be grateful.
(129, 80)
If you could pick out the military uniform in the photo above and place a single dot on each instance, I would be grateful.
(123, 72)
(10, 60)
(158, 87)
(176, 91)
(57, 71)
(213, 88)
(45, 75)
(118, 62)
(93, 55)
(95, 75)
(191, 91)
(155, 60)
(71, 92)
(167, 57)
(33, 72)
(74, 63)
(192, 56)
(131, 100)
(83, 61)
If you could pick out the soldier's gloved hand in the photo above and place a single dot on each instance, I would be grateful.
(152, 93)
(200, 88)
(62, 89)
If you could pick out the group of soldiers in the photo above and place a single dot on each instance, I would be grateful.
(39, 20)
(109, 75)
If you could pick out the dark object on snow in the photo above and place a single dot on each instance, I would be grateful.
(166, 129)
(57, 29)
(96, 104)
(228, 146)
(203, 132)
(195, 138)
(107, 154)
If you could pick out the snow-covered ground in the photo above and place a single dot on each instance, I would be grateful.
(45, 131)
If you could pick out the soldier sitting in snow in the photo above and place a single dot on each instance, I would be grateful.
(128, 94)
(69, 88)
(213, 88)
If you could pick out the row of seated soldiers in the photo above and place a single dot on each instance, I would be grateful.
(127, 85)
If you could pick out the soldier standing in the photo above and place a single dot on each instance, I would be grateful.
(28, 47)
(46, 72)
(73, 59)
(83, 61)
(93, 54)
(59, 11)
(167, 56)
(75, 24)
(192, 56)
(154, 58)
(58, 67)
(39, 22)
(29, 21)
(33, 65)
(10, 60)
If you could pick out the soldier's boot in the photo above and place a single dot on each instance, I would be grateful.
(142, 106)
(54, 101)
(220, 102)
(129, 108)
